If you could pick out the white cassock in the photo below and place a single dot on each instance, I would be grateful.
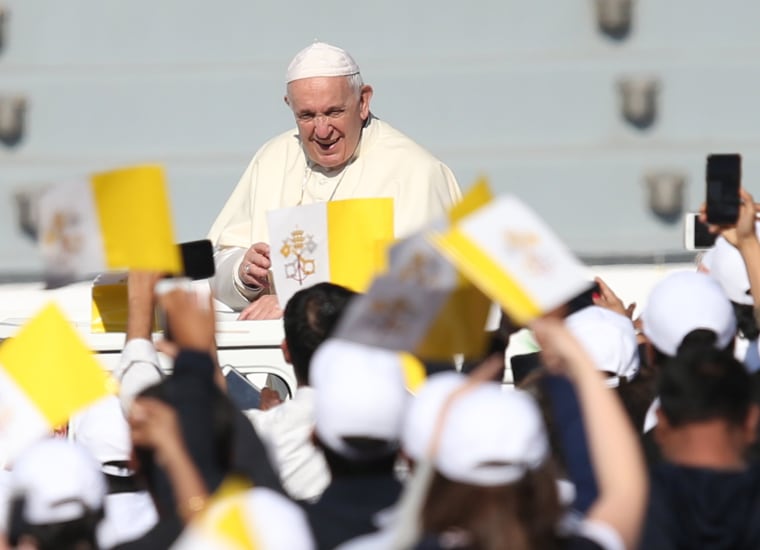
(386, 164)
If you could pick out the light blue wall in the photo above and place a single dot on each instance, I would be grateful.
(523, 91)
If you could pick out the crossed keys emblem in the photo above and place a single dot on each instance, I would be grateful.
(526, 244)
(63, 234)
(419, 270)
(391, 315)
(300, 246)
(394, 314)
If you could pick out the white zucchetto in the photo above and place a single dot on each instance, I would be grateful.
(320, 59)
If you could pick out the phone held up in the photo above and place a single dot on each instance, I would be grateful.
(724, 174)
(198, 263)
(696, 235)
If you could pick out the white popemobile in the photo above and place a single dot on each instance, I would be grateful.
(251, 347)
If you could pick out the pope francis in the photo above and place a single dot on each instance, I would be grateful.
(339, 150)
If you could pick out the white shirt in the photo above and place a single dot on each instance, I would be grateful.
(286, 431)
(138, 369)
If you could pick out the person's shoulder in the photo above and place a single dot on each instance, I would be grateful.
(281, 144)
(288, 138)
(388, 138)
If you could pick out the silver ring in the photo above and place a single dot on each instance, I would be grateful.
(247, 269)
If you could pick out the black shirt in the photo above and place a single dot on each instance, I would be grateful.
(349, 506)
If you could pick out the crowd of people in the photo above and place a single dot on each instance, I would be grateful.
(623, 432)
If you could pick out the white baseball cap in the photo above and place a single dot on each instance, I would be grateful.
(321, 59)
(683, 302)
(727, 267)
(609, 339)
(59, 480)
(358, 392)
(424, 410)
(491, 437)
(102, 430)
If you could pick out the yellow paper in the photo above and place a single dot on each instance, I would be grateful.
(109, 308)
(135, 219)
(414, 372)
(54, 367)
(233, 527)
(459, 327)
(225, 519)
(356, 230)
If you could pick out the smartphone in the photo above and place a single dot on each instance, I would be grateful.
(695, 233)
(724, 175)
(241, 391)
(197, 259)
(584, 299)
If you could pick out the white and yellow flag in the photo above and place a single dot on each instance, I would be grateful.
(46, 374)
(508, 252)
(112, 221)
(420, 306)
(342, 242)
(423, 305)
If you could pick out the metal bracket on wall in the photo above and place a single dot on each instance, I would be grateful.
(665, 189)
(27, 208)
(12, 119)
(638, 99)
(614, 17)
(3, 19)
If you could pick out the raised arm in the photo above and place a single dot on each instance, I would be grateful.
(615, 453)
(749, 247)
(138, 365)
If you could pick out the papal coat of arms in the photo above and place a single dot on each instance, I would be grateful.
(300, 247)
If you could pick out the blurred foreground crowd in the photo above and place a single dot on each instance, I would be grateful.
(618, 434)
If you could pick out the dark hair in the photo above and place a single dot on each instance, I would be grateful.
(700, 339)
(519, 516)
(705, 385)
(76, 534)
(309, 318)
(382, 461)
(745, 321)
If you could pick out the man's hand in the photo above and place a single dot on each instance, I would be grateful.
(745, 225)
(192, 320)
(254, 269)
(265, 307)
(154, 424)
(609, 300)
(744, 230)
(269, 399)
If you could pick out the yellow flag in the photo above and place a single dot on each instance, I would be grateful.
(515, 258)
(113, 221)
(423, 304)
(358, 233)
(341, 242)
(135, 219)
(46, 373)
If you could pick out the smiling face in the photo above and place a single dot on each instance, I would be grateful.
(330, 114)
